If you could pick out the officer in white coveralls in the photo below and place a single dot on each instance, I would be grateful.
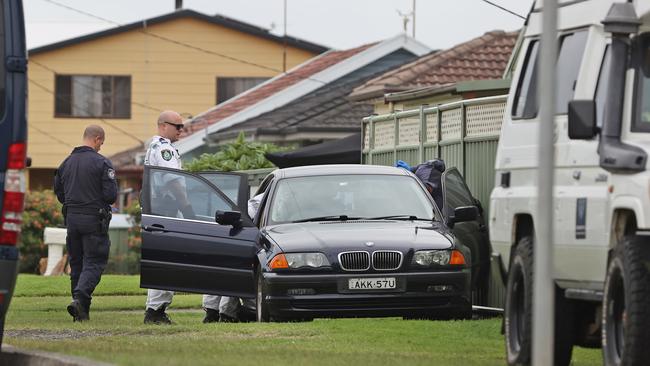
(162, 153)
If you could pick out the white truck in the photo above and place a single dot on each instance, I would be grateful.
(601, 240)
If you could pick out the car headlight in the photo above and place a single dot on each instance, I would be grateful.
(313, 260)
(438, 257)
(432, 257)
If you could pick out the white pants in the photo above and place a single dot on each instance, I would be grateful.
(224, 304)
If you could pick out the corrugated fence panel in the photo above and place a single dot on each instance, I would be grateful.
(430, 152)
(452, 155)
(410, 155)
(479, 160)
(383, 158)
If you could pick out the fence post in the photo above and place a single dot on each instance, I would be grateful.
(463, 132)
(371, 140)
(396, 139)
(423, 133)
(438, 147)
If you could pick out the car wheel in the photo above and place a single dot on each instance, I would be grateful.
(626, 304)
(262, 311)
(519, 310)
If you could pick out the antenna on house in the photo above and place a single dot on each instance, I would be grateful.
(284, 43)
(179, 5)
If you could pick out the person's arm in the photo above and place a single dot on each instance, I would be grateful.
(58, 184)
(109, 185)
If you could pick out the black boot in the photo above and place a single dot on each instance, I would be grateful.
(159, 316)
(78, 311)
(211, 316)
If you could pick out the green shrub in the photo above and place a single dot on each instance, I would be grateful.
(42, 209)
(237, 155)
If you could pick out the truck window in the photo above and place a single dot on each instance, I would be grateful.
(641, 121)
(601, 88)
(525, 103)
(568, 65)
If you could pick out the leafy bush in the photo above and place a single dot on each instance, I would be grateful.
(237, 155)
(42, 209)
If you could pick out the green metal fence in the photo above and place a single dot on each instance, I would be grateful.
(464, 134)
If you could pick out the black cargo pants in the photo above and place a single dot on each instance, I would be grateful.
(88, 247)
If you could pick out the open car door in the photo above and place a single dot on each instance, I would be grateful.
(472, 234)
(183, 247)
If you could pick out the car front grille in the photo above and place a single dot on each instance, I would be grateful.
(385, 260)
(354, 261)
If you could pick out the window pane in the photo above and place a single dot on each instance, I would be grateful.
(63, 92)
(229, 87)
(107, 96)
(642, 120)
(456, 194)
(601, 89)
(525, 104)
(171, 191)
(122, 94)
(228, 184)
(568, 66)
(86, 96)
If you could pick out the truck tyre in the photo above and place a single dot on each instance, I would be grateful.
(519, 310)
(626, 304)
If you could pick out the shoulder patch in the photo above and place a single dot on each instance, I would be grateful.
(162, 140)
(166, 154)
(111, 174)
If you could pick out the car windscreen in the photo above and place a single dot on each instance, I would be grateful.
(349, 196)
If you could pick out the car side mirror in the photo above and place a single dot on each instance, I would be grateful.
(232, 218)
(582, 120)
(463, 214)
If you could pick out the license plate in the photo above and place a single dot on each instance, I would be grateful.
(384, 283)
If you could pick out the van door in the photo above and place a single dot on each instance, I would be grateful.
(183, 248)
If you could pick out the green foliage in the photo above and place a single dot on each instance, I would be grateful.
(41, 210)
(237, 155)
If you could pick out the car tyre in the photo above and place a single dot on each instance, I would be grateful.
(519, 309)
(261, 307)
(626, 304)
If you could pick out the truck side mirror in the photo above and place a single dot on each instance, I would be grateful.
(232, 218)
(582, 119)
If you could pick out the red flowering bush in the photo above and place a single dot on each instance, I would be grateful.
(42, 209)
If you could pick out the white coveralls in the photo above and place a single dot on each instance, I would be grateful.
(162, 153)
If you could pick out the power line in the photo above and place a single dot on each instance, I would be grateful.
(50, 136)
(76, 106)
(504, 9)
(90, 87)
(183, 44)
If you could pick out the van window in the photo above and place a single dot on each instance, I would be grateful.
(601, 89)
(568, 65)
(525, 103)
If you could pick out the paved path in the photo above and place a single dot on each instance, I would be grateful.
(12, 356)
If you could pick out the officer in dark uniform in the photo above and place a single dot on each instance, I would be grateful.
(85, 184)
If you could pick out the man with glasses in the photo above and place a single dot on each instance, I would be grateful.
(162, 153)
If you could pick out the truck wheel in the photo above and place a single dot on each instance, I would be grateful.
(626, 304)
(519, 310)
(518, 306)
(261, 308)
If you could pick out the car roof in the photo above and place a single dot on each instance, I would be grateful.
(335, 169)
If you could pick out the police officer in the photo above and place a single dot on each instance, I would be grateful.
(162, 153)
(85, 184)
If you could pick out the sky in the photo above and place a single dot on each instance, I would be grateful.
(338, 24)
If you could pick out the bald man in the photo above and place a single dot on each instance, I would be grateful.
(161, 152)
(85, 184)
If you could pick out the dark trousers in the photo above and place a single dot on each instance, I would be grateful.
(88, 249)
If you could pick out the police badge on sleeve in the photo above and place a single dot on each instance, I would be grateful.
(111, 174)
(166, 154)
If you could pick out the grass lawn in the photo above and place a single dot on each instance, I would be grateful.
(38, 320)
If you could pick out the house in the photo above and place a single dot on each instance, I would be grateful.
(472, 69)
(307, 105)
(122, 78)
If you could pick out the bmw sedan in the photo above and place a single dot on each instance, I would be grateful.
(326, 241)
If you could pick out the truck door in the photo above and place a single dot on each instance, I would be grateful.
(183, 248)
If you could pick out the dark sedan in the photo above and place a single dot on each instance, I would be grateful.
(326, 241)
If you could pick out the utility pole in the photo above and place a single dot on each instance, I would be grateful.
(284, 42)
(543, 284)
